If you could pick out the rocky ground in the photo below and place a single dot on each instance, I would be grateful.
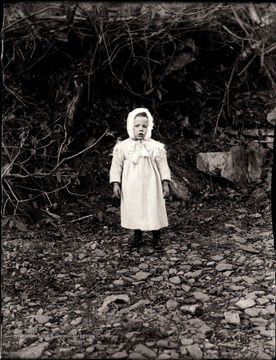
(73, 291)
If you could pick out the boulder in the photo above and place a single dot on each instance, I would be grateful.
(240, 164)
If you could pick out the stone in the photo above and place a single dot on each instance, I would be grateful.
(227, 273)
(249, 249)
(245, 303)
(267, 333)
(141, 275)
(201, 296)
(206, 330)
(197, 262)
(252, 311)
(174, 355)
(32, 352)
(263, 356)
(224, 267)
(175, 280)
(249, 280)
(212, 163)
(236, 287)
(78, 356)
(186, 288)
(162, 344)
(163, 357)
(143, 266)
(120, 355)
(217, 257)
(262, 301)
(145, 351)
(136, 356)
(259, 321)
(119, 282)
(232, 317)
(90, 349)
(186, 342)
(100, 253)
(194, 274)
(171, 304)
(270, 309)
(241, 259)
(42, 319)
(183, 350)
(195, 351)
(208, 345)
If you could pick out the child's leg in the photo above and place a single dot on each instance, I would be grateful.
(136, 240)
(157, 245)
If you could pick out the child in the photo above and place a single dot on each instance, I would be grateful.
(140, 176)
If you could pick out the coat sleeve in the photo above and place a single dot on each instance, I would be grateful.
(162, 163)
(116, 169)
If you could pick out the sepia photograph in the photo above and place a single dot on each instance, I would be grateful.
(138, 174)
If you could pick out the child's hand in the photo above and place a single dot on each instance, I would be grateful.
(166, 189)
(116, 190)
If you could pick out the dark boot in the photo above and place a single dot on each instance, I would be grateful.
(156, 242)
(136, 240)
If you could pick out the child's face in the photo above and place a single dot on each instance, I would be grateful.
(140, 127)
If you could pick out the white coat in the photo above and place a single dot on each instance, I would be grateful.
(140, 166)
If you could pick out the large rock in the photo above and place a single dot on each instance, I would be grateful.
(32, 352)
(240, 164)
(185, 181)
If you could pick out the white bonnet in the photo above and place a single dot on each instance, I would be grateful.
(130, 122)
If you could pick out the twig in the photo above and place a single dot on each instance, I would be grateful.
(224, 99)
(39, 174)
(244, 69)
(31, 15)
(81, 218)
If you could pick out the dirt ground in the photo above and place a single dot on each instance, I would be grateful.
(72, 290)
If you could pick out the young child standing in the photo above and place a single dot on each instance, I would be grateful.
(140, 176)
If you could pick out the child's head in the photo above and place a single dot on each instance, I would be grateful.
(139, 124)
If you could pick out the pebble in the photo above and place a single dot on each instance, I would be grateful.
(120, 355)
(32, 352)
(145, 351)
(263, 356)
(78, 356)
(267, 333)
(245, 303)
(236, 287)
(175, 280)
(262, 301)
(186, 342)
(217, 257)
(224, 267)
(171, 304)
(252, 311)
(186, 288)
(143, 266)
(90, 349)
(201, 296)
(76, 321)
(194, 274)
(209, 345)
(136, 356)
(270, 309)
(119, 282)
(259, 321)
(163, 344)
(141, 275)
(195, 351)
(232, 317)
(163, 357)
(100, 253)
(42, 319)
